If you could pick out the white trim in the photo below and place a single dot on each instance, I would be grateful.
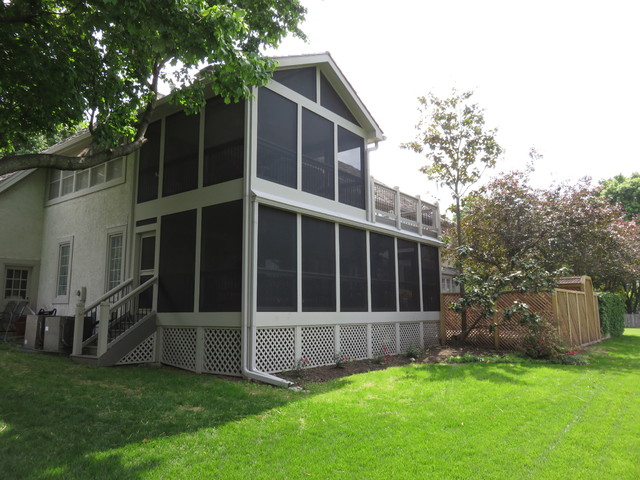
(114, 232)
(315, 319)
(64, 298)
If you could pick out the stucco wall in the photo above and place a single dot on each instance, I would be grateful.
(87, 220)
(21, 214)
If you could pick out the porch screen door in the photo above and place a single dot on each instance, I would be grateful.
(147, 268)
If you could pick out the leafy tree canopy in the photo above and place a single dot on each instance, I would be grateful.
(66, 61)
(625, 191)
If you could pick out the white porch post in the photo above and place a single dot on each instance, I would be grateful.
(397, 207)
(103, 328)
(78, 329)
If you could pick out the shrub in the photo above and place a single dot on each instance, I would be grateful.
(612, 309)
(413, 352)
(542, 341)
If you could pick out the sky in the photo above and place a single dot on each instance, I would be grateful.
(560, 76)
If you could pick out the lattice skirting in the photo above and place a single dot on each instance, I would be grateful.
(278, 349)
(145, 352)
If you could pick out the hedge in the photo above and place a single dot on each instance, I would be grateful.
(612, 309)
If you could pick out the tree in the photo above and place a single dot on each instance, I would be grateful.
(625, 191)
(101, 61)
(458, 149)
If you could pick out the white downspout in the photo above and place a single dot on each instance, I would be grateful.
(250, 245)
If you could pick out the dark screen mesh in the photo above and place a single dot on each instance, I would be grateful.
(318, 266)
(223, 141)
(277, 138)
(221, 258)
(180, 153)
(383, 274)
(149, 164)
(277, 261)
(430, 278)
(408, 276)
(330, 99)
(353, 270)
(147, 253)
(177, 262)
(350, 168)
(301, 80)
(317, 155)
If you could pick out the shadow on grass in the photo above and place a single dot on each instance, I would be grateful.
(61, 420)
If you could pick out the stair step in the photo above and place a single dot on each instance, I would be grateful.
(86, 359)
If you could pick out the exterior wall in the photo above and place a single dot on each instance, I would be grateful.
(86, 219)
(22, 211)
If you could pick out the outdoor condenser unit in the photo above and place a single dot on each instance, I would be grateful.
(34, 332)
(58, 334)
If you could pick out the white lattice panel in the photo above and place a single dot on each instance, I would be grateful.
(143, 353)
(409, 336)
(275, 349)
(179, 347)
(353, 341)
(431, 334)
(318, 345)
(222, 351)
(383, 334)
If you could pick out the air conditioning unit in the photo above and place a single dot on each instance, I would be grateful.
(34, 332)
(58, 334)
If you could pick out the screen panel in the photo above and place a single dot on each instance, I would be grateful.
(354, 294)
(383, 274)
(318, 266)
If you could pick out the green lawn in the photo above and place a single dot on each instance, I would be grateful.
(60, 420)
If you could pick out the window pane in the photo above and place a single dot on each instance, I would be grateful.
(16, 282)
(383, 274)
(330, 99)
(82, 180)
(64, 259)
(430, 278)
(177, 262)
(353, 270)
(67, 182)
(350, 168)
(408, 276)
(277, 262)
(180, 153)
(223, 141)
(277, 138)
(221, 258)
(114, 264)
(149, 164)
(114, 169)
(317, 155)
(301, 80)
(97, 175)
(318, 266)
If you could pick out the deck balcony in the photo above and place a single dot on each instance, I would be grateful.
(405, 212)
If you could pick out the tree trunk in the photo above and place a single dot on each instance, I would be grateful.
(463, 314)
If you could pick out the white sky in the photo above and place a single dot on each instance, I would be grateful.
(563, 76)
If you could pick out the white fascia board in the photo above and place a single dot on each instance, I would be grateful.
(282, 203)
(330, 69)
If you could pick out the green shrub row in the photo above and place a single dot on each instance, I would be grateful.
(612, 311)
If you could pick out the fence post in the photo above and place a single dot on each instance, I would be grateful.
(496, 332)
(103, 328)
(78, 329)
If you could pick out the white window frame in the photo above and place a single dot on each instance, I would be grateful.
(64, 297)
(56, 180)
(6, 277)
(111, 233)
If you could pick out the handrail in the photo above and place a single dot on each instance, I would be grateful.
(134, 292)
(111, 292)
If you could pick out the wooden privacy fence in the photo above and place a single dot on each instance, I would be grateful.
(573, 309)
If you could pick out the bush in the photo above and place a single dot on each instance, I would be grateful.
(542, 341)
(612, 309)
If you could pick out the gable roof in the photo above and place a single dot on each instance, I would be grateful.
(339, 82)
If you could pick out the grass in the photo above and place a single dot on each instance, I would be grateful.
(60, 420)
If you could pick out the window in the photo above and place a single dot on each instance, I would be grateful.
(408, 276)
(430, 278)
(16, 282)
(181, 136)
(383, 273)
(223, 141)
(63, 280)
(277, 261)
(114, 260)
(353, 270)
(177, 262)
(330, 100)
(350, 168)
(317, 155)
(318, 266)
(67, 182)
(277, 138)
(221, 258)
(149, 164)
(300, 80)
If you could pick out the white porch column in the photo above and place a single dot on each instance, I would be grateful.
(78, 329)
(103, 328)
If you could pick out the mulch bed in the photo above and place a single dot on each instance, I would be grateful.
(436, 354)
